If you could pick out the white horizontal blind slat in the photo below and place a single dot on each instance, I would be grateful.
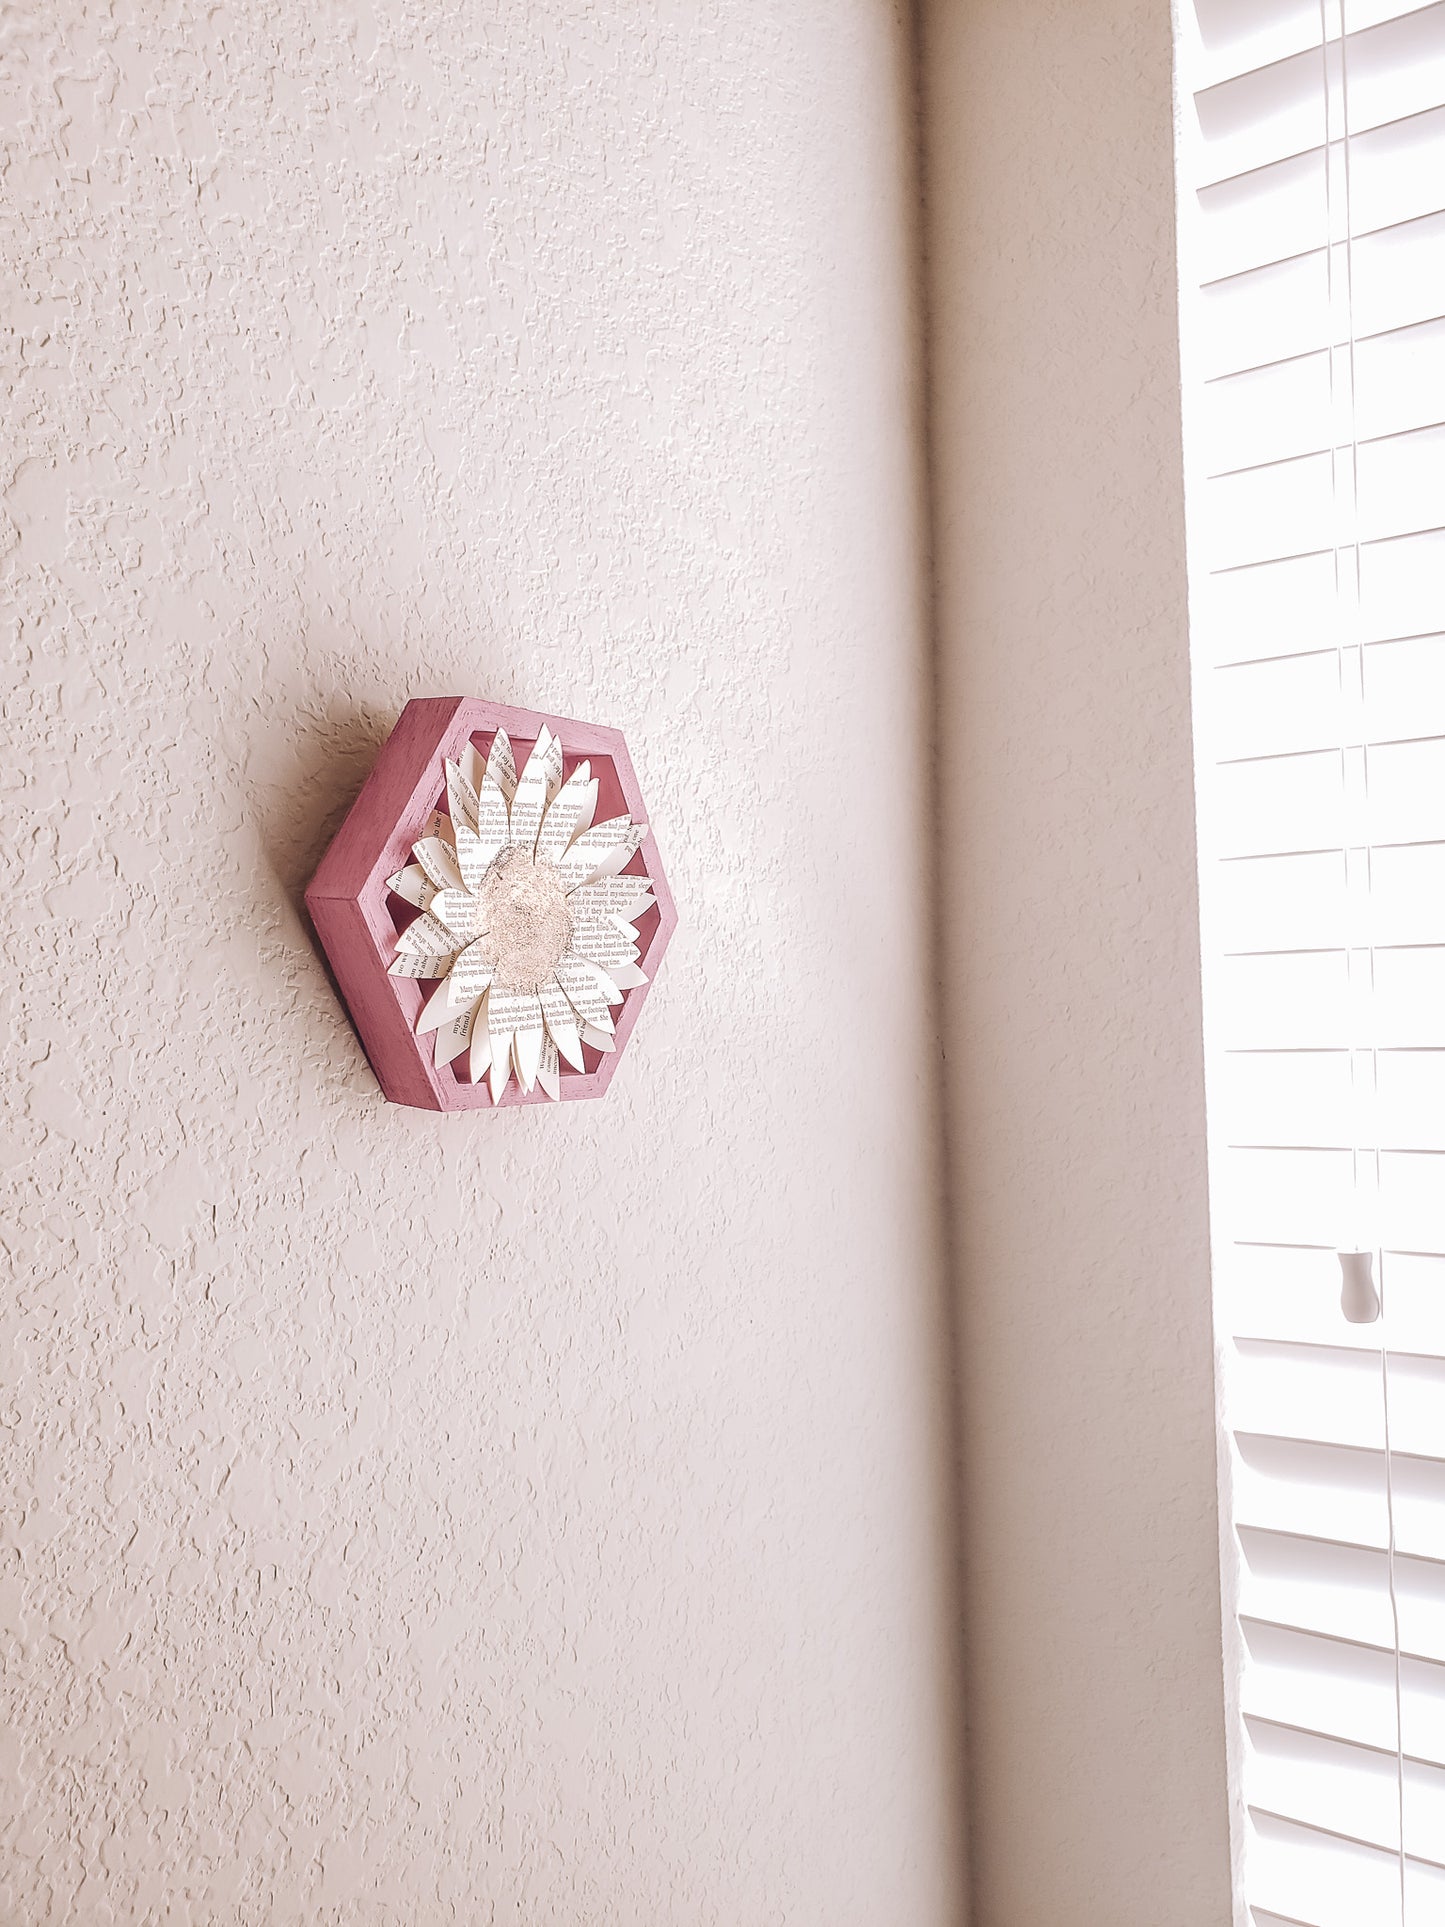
(1347, 1790)
(1226, 38)
(1270, 511)
(1316, 1880)
(1279, 211)
(1282, 409)
(1269, 610)
(1253, 119)
(1282, 310)
(1275, 1099)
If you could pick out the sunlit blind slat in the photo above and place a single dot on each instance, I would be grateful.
(1312, 269)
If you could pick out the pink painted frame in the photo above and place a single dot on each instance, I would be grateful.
(357, 918)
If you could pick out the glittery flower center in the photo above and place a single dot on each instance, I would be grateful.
(523, 911)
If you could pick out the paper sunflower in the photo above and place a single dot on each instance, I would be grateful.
(526, 919)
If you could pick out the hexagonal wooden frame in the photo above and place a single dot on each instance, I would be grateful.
(358, 919)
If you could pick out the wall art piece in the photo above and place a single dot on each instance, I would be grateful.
(493, 907)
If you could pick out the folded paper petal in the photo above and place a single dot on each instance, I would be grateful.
(501, 764)
(439, 860)
(412, 885)
(549, 1071)
(529, 803)
(493, 827)
(601, 851)
(579, 979)
(457, 910)
(461, 798)
(427, 936)
(453, 1037)
(549, 748)
(526, 1041)
(527, 1053)
(627, 976)
(517, 1015)
(600, 978)
(420, 967)
(480, 1058)
(472, 858)
(471, 973)
(624, 897)
(604, 939)
(564, 814)
(438, 1009)
(500, 1074)
(561, 1022)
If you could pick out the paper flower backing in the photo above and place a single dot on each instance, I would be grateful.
(526, 922)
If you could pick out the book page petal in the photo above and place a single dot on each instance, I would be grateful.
(457, 910)
(461, 798)
(426, 936)
(437, 1010)
(564, 814)
(561, 1021)
(622, 897)
(479, 1060)
(419, 967)
(439, 860)
(501, 764)
(453, 1037)
(412, 885)
(517, 1014)
(528, 805)
(493, 819)
(580, 981)
(471, 973)
(601, 851)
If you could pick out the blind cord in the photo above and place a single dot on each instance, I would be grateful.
(1366, 1234)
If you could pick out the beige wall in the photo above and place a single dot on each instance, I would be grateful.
(538, 1518)
(523, 1519)
(1071, 1016)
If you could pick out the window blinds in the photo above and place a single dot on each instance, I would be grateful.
(1312, 266)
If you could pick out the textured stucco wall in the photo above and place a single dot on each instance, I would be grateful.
(498, 1520)
(1093, 1676)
